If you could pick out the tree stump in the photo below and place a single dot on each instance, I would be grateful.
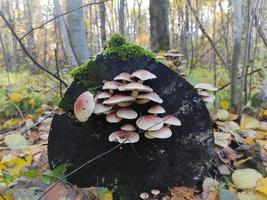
(182, 159)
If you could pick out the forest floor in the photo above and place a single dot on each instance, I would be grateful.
(27, 108)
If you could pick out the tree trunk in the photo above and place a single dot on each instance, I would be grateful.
(122, 17)
(77, 33)
(159, 25)
(102, 12)
(64, 35)
(236, 54)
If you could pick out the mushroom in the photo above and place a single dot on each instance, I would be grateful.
(157, 109)
(84, 106)
(209, 99)
(101, 108)
(203, 93)
(206, 86)
(155, 192)
(128, 127)
(149, 122)
(111, 86)
(171, 120)
(143, 75)
(147, 135)
(102, 95)
(118, 98)
(163, 133)
(122, 136)
(142, 101)
(144, 195)
(135, 88)
(150, 96)
(113, 118)
(124, 104)
(124, 77)
(126, 113)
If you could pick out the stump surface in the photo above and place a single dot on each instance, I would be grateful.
(182, 159)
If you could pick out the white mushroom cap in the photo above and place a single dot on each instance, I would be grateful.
(84, 106)
(124, 104)
(206, 86)
(102, 95)
(111, 85)
(171, 120)
(144, 195)
(155, 192)
(124, 76)
(151, 96)
(147, 135)
(135, 86)
(121, 136)
(157, 109)
(101, 108)
(209, 99)
(203, 93)
(126, 113)
(113, 118)
(118, 98)
(149, 122)
(143, 75)
(128, 127)
(164, 132)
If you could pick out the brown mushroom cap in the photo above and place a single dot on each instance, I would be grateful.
(143, 75)
(128, 127)
(101, 108)
(157, 109)
(164, 132)
(151, 96)
(147, 135)
(142, 101)
(111, 85)
(113, 118)
(135, 86)
(124, 104)
(118, 98)
(171, 120)
(126, 113)
(206, 86)
(124, 76)
(149, 122)
(84, 106)
(121, 136)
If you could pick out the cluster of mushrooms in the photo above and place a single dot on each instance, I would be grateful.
(203, 88)
(117, 100)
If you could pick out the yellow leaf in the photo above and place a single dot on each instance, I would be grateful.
(262, 186)
(7, 197)
(251, 195)
(224, 105)
(16, 97)
(246, 178)
(31, 102)
(15, 165)
(248, 122)
(161, 53)
(107, 196)
(11, 122)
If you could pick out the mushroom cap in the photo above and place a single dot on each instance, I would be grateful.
(209, 99)
(124, 76)
(111, 85)
(143, 75)
(155, 192)
(118, 98)
(171, 120)
(147, 135)
(153, 96)
(157, 109)
(142, 101)
(101, 108)
(102, 95)
(164, 132)
(206, 86)
(203, 93)
(127, 113)
(135, 86)
(149, 122)
(84, 106)
(128, 127)
(121, 135)
(144, 195)
(113, 118)
(124, 104)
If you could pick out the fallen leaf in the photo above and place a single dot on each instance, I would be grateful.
(246, 178)
(210, 189)
(14, 166)
(227, 195)
(222, 139)
(262, 186)
(15, 97)
(251, 195)
(222, 115)
(248, 122)
(15, 141)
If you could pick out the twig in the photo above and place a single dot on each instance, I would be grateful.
(27, 52)
(252, 72)
(206, 34)
(20, 113)
(62, 14)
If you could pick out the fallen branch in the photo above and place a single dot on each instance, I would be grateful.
(27, 52)
(62, 14)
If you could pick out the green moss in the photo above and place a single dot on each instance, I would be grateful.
(121, 50)
(90, 75)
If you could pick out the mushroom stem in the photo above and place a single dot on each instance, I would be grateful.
(140, 81)
(135, 93)
(111, 91)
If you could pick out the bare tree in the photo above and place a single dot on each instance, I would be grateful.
(102, 13)
(77, 33)
(122, 17)
(159, 25)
